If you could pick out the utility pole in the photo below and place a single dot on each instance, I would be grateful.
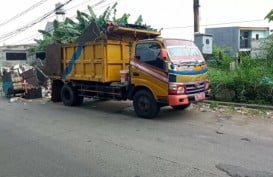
(196, 15)
(59, 12)
(202, 41)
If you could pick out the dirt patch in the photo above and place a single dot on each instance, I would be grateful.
(233, 110)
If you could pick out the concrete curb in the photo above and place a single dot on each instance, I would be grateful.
(253, 106)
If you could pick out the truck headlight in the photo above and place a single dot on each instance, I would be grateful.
(175, 89)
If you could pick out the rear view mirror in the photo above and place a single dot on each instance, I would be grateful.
(163, 54)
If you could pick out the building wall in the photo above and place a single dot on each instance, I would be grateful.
(11, 50)
(226, 37)
(243, 39)
(257, 50)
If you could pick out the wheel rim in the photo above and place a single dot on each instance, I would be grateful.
(144, 104)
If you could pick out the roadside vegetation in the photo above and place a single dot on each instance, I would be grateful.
(246, 81)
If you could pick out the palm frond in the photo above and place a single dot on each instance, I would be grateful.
(269, 16)
(45, 33)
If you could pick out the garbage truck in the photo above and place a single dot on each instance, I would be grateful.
(128, 62)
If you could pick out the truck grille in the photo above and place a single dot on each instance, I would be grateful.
(195, 87)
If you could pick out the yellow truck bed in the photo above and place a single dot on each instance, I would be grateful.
(98, 61)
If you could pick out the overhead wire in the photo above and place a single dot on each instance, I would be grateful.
(23, 12)
(100, 2)
(216, 24)
(77, 5)
(191, 26)
(166, 28)
(29, 38)
(93, 6)
(38, 20)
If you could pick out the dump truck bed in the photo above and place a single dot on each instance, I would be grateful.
(100, 60)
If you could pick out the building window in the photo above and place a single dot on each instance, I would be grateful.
(257, 36)
(16, 56)
(244, 40)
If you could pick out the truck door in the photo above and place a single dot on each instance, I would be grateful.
(148, 69)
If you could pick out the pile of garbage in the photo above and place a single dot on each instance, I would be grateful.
(27, 81)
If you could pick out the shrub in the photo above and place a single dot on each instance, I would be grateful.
(250, 82)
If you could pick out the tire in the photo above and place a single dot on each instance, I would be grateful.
(56, 90)
(70, 96)
(145, 105)
(181, 107)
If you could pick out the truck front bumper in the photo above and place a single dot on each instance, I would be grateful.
(175, 100)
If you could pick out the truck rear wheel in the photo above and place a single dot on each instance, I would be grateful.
(145, 105)
(56, 90)
(70, 96)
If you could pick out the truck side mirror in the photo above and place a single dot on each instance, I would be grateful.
(163, 54)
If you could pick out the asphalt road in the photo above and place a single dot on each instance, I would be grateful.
(106, 139)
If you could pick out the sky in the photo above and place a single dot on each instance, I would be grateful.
(174, 17)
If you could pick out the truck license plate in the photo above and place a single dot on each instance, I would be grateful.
(200, 96)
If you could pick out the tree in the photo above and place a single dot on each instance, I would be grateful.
(268, 44)
(269, 16)
(69, 30)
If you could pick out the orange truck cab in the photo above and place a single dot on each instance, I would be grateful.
(155, 71)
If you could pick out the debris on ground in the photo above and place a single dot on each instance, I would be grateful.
(24, 81)
(223, 109)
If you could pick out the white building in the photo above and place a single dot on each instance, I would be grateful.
(15, 54)
(240, 39)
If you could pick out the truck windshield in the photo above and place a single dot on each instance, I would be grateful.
(182, 50)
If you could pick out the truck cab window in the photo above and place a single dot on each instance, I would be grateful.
(149, 53)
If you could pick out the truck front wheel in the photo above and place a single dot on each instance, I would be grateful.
(145, 105)
(70, 96)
